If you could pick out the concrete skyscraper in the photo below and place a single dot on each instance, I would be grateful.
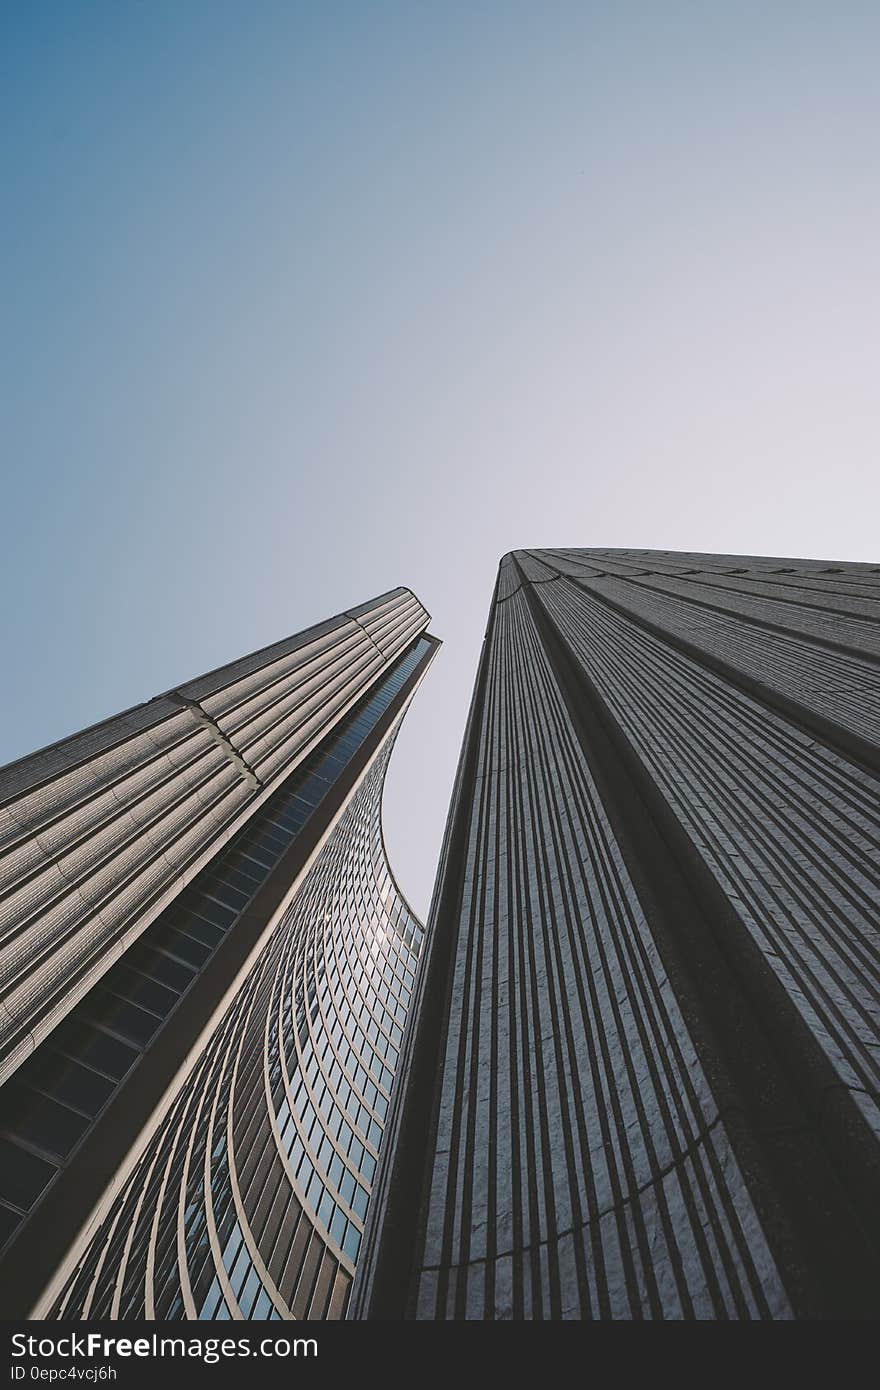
(205, 973)
(641, 1075)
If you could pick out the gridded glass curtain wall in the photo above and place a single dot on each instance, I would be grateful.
(261, 1174)
(653, 976)
(241, 930)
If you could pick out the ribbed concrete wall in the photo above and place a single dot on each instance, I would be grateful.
(655, 934)
(99, 832)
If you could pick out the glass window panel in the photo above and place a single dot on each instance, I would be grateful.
(241, 862)
(195, 926)
(41, 1121)
(240, 1270)
(183, 947)
(23, 1176)
(9, 1222)
(172, 973)
(249, 1293)
(94, 1048)
(257, 854)
(140, 990)
(262, 1307)
(233, 1245)
(224, 892)
(352, 1242)
(338, 1225)
(237, 878)
(120, 1016)
(214, 912)
(67, 1081)
(270, 841)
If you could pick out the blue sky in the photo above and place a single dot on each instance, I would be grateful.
(301, 302)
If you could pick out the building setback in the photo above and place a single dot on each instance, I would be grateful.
(205, 970)
(652, 971)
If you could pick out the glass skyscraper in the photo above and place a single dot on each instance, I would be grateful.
(205, 973)
(651, 976)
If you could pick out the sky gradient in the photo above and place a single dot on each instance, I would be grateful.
(302, 302)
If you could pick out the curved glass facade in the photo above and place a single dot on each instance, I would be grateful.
(249, 1200)
(60, 1093)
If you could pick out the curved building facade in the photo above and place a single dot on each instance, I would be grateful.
(192, 1128)
(251, 1197)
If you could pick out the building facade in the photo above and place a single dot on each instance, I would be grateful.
(651, 977)
(205, 971)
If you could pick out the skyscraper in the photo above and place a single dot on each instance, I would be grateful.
(205, 971)
(651, 977)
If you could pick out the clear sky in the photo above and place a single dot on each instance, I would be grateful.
(304, 301)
